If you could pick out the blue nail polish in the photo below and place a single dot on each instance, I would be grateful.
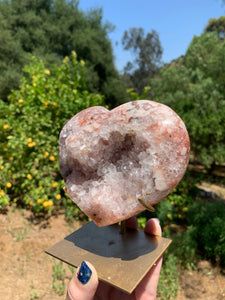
(84, 273)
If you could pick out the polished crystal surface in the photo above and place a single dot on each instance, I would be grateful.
(109, 159)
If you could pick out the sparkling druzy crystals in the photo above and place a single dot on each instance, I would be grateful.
(109, 159)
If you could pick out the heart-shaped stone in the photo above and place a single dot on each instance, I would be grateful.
(117, 162)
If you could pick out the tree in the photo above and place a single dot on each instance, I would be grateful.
(11, 54)
(147, 51)
(51, 30)
(30, 124)
(217, 25)
(194, 86)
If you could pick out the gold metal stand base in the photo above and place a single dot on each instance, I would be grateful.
(121, 260)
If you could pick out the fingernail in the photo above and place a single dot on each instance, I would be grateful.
(157, 220)
(84, 273)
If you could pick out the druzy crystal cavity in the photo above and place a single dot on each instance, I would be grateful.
(109, 159)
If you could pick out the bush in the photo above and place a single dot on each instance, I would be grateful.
(30, 125)
(202, 237)
(183, 247)
(193, 86)
(207, 220)
(169, 277)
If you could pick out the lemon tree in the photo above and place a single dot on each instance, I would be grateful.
(30, 124)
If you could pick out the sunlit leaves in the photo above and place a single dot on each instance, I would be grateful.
(193, 86)
(30, 125)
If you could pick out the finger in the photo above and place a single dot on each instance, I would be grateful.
(153, 227)
(84, 283)
(132, 223)
(147, 289)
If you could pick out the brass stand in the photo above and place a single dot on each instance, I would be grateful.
(121, 260)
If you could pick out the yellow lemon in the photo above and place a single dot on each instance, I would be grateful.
(54, 184)
(58, 197)
(46, 154)
(52, 158)
(39, 200)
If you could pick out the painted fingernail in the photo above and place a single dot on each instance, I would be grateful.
(84, 273)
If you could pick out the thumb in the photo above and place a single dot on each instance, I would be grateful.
(84, 283)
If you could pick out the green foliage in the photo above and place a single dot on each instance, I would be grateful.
(183, 196)
(4, 198)
(11, 53)
(208, 224)
(175, 207)
(51, 30)
(135, 96)
(141, 221)
(203, 236)
(194, 87)
(58, 284)
(30, 125)
(169, 277)
(34, 294)
(217, 25)
(147, 51)
(183, 246)
(197, 228)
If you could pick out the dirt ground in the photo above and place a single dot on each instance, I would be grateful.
(26, 271)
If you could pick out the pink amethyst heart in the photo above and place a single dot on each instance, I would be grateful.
(109, 159)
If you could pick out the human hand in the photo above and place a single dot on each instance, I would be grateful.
(92, 289)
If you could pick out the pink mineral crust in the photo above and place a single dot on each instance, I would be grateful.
(110, 158)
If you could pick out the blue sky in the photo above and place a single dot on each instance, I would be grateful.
(176, 22)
